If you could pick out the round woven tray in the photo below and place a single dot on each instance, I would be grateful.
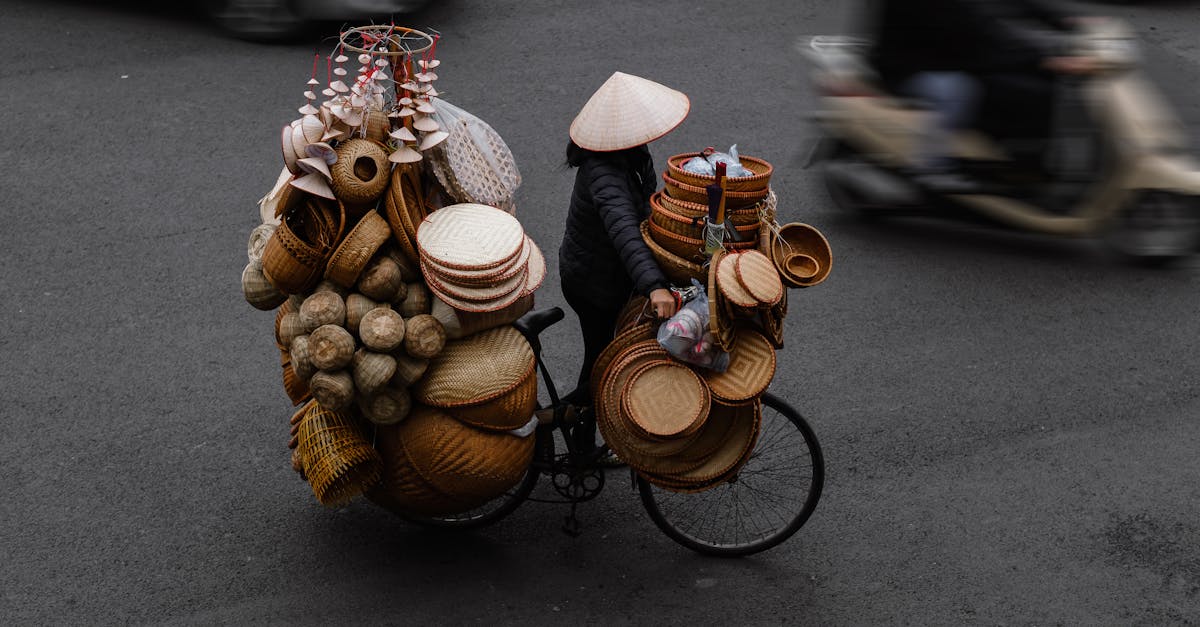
(692, 193)
(477, 368)
(482, 278)
(722, 463)
(719, 323)
(751, 368)
(352, 255)
(470, 306)
(470, 237)
(677, 269)
(403, 208)
(773, 318)
(761, 178)
(623, 340)
(666, 400)
(731, 288)
(483, 293)
(511, 410)
(757, 275)
(537, 269)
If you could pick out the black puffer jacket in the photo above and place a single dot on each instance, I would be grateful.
(603, 257)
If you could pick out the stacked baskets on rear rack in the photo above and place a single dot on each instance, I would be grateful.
(686, 428)
(358, 254)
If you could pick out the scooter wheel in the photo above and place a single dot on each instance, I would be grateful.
(1156, 228)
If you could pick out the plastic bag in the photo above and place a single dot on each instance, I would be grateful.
(698, 165)
(686, 336)
(733, 165)
(473, 164)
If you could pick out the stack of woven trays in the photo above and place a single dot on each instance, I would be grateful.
(477, 259)
(414, 410)
(678, 213)
(682, 428)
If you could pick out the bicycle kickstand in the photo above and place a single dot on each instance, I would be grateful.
(571, 524)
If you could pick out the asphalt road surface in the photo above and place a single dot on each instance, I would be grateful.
(1009, 422)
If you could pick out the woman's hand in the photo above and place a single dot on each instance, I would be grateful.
(662, 301)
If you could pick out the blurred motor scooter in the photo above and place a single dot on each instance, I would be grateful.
(1117, 164)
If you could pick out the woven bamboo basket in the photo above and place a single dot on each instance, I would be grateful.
(295, 386)
(258, 291)
(481, 278)
(665, 400)
(751, 368)
(459, 324)
(470, 237)
(472, 306)
(692, 248)
(794, 239)
(745, 223)
(354, 253)
(300, 246)
(404, 209)
(486, 291)
(677, 269)
(719, 320)
(424, 336)
(724, 462)
(757, 274)
(616, 428)
(690, 211)
(360, 174)
(436, 465)
(476, 369)
(511, 410)
(339, 463)
(692, 193)
(760, 180)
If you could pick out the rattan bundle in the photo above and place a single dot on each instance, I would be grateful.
(338, 462)
(436, 465)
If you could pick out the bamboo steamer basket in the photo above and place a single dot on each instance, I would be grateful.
(258, 291)
(333, 390)
(761, 179)
(677, 269)
(322, 308)
(404, 209)
(477, 369)
(330, 347)
(352, 255)
(371, 370)
(459, 324)
(382, 330)
(298, 250)
(424, 336)
(337, 460)
(436, 465)
(383, 281)
(361, 171)
(692, 193)
(751, 368)
(388, 406)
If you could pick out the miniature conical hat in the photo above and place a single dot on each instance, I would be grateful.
(628, 111)
(405, 154)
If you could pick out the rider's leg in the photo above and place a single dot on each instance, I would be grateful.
(597, 321)
(952, 98)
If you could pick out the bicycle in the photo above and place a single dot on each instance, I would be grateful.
(769, 499)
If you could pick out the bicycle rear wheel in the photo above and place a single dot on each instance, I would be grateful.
(496, 509)
(766, 503)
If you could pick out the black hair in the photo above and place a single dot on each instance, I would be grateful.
(576, 153)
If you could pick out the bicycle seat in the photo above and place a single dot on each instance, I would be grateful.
(533, 323)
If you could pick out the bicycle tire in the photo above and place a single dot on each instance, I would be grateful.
(498, 508)
(699, 521)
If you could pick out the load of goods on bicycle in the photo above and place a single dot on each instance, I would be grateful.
(399, 274)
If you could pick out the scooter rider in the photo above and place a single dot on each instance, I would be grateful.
(960, 55)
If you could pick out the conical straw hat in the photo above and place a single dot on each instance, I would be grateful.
(628, 111)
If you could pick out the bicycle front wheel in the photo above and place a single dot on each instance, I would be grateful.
(769, 499)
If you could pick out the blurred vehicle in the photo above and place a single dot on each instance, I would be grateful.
(1117, 163)
(278, 20)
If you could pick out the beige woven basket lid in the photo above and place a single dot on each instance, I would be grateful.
(537, 268)
(623, 340)
(628, 111)
(666, 399)
(471, 306)
(757, 275)
(751, 368)
(485, 277)
(617, 429)
(482, 293)
(470, 237)
(727, 281)
(475, 369)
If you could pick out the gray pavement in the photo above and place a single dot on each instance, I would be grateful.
(1009, 421)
